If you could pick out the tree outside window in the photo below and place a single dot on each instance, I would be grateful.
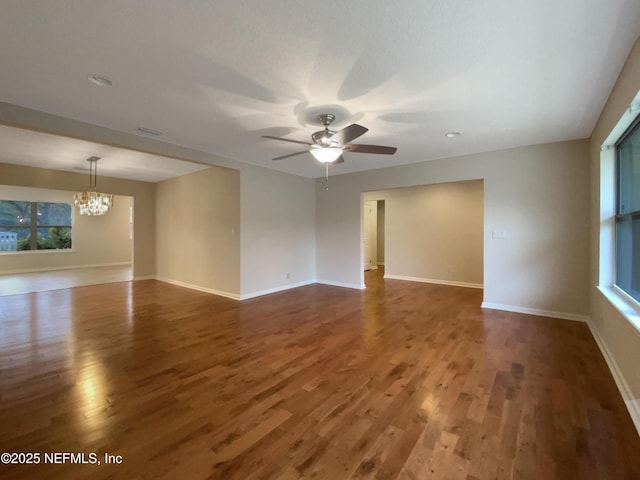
(35, 225)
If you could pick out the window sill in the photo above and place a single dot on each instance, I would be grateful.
(39, 252)
(626, 305)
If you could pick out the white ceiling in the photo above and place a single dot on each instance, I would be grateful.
(216, 75)
(36, 149)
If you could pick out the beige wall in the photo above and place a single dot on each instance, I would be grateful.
(620, 340)
(142, 193)
(102, 240)
(273, 244)
(536, 194)
(434, 232)
(198, 230)
(278, 230)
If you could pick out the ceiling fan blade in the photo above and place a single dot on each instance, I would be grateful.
(349, 133)
(339, 160)
(290, 155)
(379, 149)
(285, 139)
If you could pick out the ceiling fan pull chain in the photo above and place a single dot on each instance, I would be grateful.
(326, 175)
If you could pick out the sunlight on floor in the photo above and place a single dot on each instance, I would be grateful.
(13, 284)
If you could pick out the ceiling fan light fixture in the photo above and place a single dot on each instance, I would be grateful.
(326, 154)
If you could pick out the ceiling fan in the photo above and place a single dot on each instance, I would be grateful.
(328, 145)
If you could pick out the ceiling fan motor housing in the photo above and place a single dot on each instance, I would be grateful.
(323, 138)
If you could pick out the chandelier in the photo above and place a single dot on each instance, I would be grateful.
(91, 202)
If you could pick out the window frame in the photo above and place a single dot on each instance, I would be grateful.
(620, 216)
(626, 305)
(34, 227)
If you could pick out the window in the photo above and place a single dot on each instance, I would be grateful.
(34, 226)
(627, 246)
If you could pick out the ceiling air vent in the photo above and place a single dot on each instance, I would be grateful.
(149, 131)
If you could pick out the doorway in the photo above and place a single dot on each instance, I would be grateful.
(373, 236)
(427, 233)
(370, 216)
(100, 248)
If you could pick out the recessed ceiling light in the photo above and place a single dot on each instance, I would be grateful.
(100, 81)
(452, 134)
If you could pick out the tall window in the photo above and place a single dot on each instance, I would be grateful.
(34, 225)
(628, 211)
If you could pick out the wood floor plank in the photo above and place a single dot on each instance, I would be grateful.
(400, 381)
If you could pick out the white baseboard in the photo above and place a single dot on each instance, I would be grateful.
(233, 296)
(342, 284)
(246, 296)
(431, 280)
(145, 277)
(633, 404)
(281, 288)
(65, 267)
(536, 311)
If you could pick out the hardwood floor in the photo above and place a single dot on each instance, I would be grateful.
(403, 380)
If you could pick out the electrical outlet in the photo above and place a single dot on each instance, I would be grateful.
(498, 234)
(288, 276)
